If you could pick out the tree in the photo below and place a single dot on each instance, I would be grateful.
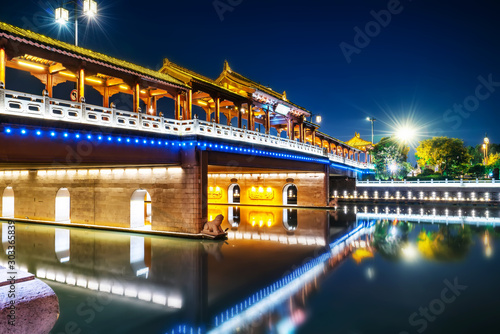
(493, 162)
(478, 170)
(449, 155)
(390, 158)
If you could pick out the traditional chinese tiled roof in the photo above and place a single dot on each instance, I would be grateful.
(242, 80)
(26, 36)
(358, 142)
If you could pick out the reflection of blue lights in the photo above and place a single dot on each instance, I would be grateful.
(261, 302)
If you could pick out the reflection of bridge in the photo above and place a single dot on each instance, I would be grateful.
(426, 218)
(153, 273)
(60, 146)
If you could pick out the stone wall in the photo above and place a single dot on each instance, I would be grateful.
(103, 196)
(311, 189)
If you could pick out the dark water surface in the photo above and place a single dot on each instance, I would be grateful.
(358, 269)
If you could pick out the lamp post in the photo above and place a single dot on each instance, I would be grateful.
(62, 14)
(486, 143)
(372, 119)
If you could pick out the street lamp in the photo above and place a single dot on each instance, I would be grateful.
(62, 14)
(371, 119)
(318, 119)
(486, 142)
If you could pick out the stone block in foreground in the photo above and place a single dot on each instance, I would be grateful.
(36, 304)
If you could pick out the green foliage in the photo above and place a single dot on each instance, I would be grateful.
(449, 155)
(426, 172)
(387, 152)
(477, 170)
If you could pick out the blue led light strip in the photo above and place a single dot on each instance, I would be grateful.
(203, 145)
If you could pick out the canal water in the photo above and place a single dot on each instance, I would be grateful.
(357, 269)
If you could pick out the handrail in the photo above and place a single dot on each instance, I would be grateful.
(29, 105)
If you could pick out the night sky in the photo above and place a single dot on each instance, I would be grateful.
(427, 59)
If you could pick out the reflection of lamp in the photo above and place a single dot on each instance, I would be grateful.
(487, 251)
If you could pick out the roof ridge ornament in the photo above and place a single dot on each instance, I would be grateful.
(227, 68)
(284, 96)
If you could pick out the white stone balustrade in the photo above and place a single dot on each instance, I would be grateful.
(43, 107)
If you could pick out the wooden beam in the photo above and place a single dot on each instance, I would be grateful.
(56, 68)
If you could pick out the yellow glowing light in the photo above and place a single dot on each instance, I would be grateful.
(37, 67)
(269, 223)
(211, 189)
(261, 190)
(68, 74)
(217, 189)
(143, 91)
(94, 80)
(269, 189)
(202, 103)
(124, 87)
(253, 189)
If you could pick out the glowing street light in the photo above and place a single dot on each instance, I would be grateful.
(90, 8)
(486, 142)
(318, 119)
(372, 119)
(406, 134)
(62, 14)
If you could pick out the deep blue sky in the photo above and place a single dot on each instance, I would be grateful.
(427, 59)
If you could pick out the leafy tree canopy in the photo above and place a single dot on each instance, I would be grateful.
(449, 155)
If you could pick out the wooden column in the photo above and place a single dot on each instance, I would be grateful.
(3, 62)
(266, 121)
(250, 117)
(178, 106)
(301, 132)
(208, 112)
(240, 116)
(137, 98)
(49, 85)
(289, 128)
(217, 110)
(106, 97)
(189, 105)
(154, 104)
(313, 138)
(81, 85)
(229, 116)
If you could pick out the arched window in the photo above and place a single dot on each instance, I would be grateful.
(140, 209)
(290, 194)
(233, 194)
(290, 222)
(8, 203)
(63, 206)
(233, 216)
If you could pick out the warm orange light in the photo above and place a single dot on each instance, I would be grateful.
(269, 189)
(261, 190)
(38, 67)
(124, 87)
(94, 80)
(68, 74)
(202, 103)
(253, 189)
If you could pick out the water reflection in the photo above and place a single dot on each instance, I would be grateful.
(259, 279)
